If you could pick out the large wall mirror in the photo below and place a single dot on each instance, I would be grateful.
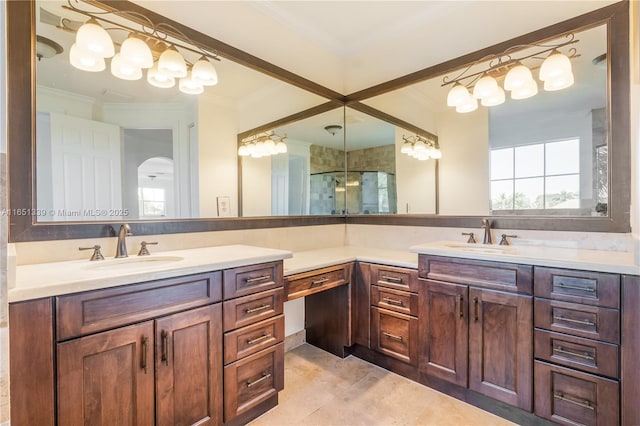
(87, 152)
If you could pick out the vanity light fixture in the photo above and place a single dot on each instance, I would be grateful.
(263, 145)
(470, 86)
(420, 148)
(147, 48)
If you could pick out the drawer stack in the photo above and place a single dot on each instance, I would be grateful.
(253, 323)
(577, 342)
(394, 312)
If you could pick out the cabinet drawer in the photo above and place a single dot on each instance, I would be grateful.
(591, 322)
(397, 278)
(395, 335)
(481, 273)
(252, 279)
(253, 308)
(394, 300)
(253, 338)
(253, 380)
(590, 288)
(99, 310)
(570, 397)
(300, 285)
(576, 352)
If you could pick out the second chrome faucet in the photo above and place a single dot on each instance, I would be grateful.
(121, 249)
(486, 225)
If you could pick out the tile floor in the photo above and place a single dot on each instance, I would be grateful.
(324, 390)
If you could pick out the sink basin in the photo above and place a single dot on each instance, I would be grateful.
(480, 248)
(133, 263)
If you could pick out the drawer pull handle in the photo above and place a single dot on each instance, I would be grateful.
(165, 347)
(460, 306)
(258, 339)
(575, 321)
(392, 301)
(561, 350)
(265, 376)
(581, 403)
(576, 287)
(393, 336)
(392, 279)
(256, 279)
(256, 309)
(320, 281)
(143, 361)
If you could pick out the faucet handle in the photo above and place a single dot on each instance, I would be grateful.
(504, 241)
(143, 248)
(472, 238)
(97, 255)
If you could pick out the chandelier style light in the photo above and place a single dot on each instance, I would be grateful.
(470, 87)
(263, 145)
(420, 148)
(147, 49)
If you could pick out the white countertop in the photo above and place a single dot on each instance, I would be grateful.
(52, 279)
(588, 260)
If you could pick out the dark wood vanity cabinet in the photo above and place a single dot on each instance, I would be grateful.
(153, 353)
(476, 327)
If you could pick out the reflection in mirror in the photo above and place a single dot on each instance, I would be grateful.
(540, 155)
(381, 178)
(307, 179)
(100, 138)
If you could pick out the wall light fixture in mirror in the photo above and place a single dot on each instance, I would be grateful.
(306, 179)
(541, 155)
(381, 177)
(114, 149)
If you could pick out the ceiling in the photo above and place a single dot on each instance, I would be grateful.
(351, 45)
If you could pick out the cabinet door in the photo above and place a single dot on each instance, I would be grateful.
(444, 330)
(189, 367)
(500, 346)
(107, 378)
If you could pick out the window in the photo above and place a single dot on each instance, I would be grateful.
(152, 202)
(539, 176)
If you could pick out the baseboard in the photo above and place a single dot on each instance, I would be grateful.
(294, 340)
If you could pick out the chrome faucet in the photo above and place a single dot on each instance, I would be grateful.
(121, 249)
(486, 225)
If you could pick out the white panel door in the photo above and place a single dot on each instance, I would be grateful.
(86, 169)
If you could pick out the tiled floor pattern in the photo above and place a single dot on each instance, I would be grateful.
(324, 390)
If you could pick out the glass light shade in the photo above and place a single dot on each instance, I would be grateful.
(189, 86)
(125, 69)
(470, 104)
(157, 78)
(204, 72)
(172, 62)
(457, 95)
(517, 77)
(85, 60)
(251, 148)
(419, 147)
(486, 87)
(556, 65)
(423, 156)
(281, 147)
(92, 37)
(269, 147)
(531, 89)
(137, 52)
(243, 151)
(406, 148)
(496, 98)
(436, 154)
(558, 83)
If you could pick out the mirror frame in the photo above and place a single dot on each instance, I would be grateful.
(21, 132)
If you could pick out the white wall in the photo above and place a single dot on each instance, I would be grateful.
(415, 181)
(464, 166)
(635, 126)
(256, 186)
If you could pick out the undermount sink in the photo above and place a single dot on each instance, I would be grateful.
(132, 263)
(480, 248)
